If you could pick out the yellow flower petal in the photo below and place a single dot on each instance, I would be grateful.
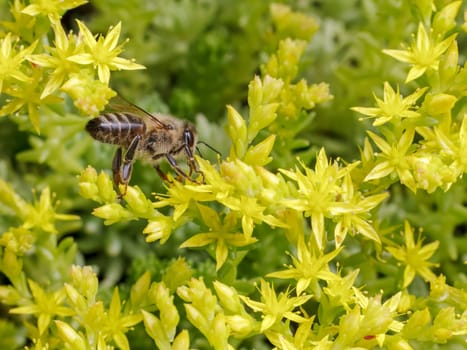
(111, 39)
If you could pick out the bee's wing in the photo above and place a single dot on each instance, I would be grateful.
(120, 105)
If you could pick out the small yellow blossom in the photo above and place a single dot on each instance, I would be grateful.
(308, 267)
(441, 291)
(300, 340)
(454, 145)
(181, 196)
(219, 233)
(118, 323)
(431, 173)
(424, 53)
(45, 307)
(251, 212)
(353, 214)
(366, 325)
(103, 52)
(414, 256)
(54, 9)
(448, 323)
(20, 24)
(11, 61)
(43, 215)
(65, 46)
(318, 192)
(27, 95)
(89, 95)
(273, 188)
(393, 107)
(215, 186)
(395, 158)
(340, 290)
(242, 176)
(276, 307)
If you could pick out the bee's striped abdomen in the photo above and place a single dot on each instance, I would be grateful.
(116, 128)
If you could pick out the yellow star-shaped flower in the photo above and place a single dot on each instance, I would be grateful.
(103, 52)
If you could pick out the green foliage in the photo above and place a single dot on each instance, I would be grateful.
(275, 243)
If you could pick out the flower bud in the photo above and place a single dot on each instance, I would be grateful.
(237, 131)
(159, 228)
(112, 213)
(105, 186)
(255, 92)
(182, 341)
(85, 280)
(138, 202)
(228, 297)
(259, 154)
(70, 336)
(445, 19)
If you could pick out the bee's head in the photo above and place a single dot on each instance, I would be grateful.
(189, 139)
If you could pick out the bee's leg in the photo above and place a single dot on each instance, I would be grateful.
(174, 165)
(191, 160)
(194, 169)
(116, 170)
(122, 168)
(192, 163)
(161, 173)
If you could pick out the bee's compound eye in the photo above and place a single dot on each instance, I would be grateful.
(189, 139)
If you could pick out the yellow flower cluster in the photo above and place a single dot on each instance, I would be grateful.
(32, 73)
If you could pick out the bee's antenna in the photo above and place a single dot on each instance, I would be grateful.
(209, 146)
(197, 149)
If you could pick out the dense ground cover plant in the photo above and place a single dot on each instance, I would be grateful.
(333, 218)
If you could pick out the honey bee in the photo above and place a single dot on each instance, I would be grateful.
(142, 135)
